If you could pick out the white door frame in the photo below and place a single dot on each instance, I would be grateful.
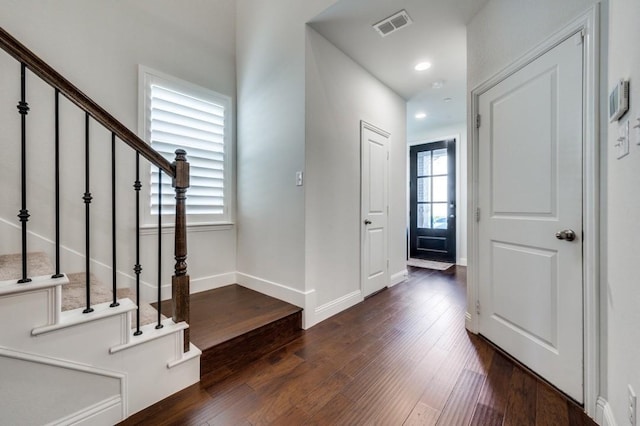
(364, 125)
(588, 23)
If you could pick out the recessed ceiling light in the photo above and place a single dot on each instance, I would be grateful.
(447, 99)
(421, 115)
(423, 66)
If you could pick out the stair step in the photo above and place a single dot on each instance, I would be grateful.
(74, 296)
(38, 264)
(233, 326)
(73, 292)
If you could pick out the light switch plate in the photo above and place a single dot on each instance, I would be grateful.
(622, 143)
(298, 178)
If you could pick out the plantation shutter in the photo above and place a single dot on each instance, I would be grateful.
(196, 125)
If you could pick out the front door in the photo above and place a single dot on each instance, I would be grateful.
(432, 212)
(375, 208)
(530, 215)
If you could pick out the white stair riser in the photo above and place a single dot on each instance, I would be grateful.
(144, 365)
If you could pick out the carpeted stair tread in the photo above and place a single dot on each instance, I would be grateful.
(74, 296)
(148, 314)
(73, 293)
(38, 263)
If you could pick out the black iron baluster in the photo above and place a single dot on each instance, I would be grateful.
(87, 202)
(159, 249)
(137, 268)
(113, 220)
(23, 109)
(57, 274)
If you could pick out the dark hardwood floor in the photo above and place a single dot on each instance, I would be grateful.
(402, 357)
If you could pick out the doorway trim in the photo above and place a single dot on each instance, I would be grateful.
(588, 23)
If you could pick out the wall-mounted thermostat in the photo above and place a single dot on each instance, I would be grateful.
(619, 100)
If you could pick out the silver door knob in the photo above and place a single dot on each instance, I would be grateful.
(567, 235)
(367, 222)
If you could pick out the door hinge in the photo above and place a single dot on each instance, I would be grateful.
(387, 264)
(478, 121)
(387, 155)
(478, 214)
(478, 307)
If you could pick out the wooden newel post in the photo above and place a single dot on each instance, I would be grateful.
(180, 279)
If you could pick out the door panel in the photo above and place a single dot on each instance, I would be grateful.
(375, 171)
(530, 187)
(432, 201)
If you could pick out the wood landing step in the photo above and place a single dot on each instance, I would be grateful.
(233, 326)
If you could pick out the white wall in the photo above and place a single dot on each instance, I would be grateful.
(504, 30)
(271, 144)
(340, 93)
(459, 131)
(98, 46)
(623, 181)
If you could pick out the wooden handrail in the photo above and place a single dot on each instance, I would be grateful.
(40, 68)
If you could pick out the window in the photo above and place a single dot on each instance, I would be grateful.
(177, 115)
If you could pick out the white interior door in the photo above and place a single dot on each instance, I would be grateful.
(375, 209)
(530, 189)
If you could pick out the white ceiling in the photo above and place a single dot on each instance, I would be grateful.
(437, 35)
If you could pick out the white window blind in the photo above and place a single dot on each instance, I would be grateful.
(197, 125)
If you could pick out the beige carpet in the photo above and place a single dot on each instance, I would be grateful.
(429, 264)
(11, 266)
(73, 293)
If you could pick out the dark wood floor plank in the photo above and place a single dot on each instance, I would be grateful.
(422, 415)
(551, 407)
(480, 359)
(577, 417)
(495, 390)
(521, 405)
(218, 404)
(402, 356)
(316, 400)
(282, 395)
(439, 388)
(461, 403)
(486, 416)
(184, 401)
(333, 411)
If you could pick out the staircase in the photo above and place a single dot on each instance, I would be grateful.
(77, 344)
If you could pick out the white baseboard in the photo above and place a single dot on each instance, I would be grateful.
(149, 292)
(462, 261)
(270, 288)
(106, 412)
(604, 413)
(214, 281)
(398, 277)
(338, 305)
(468, 322)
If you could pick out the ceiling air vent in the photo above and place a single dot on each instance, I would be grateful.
(393, 23)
